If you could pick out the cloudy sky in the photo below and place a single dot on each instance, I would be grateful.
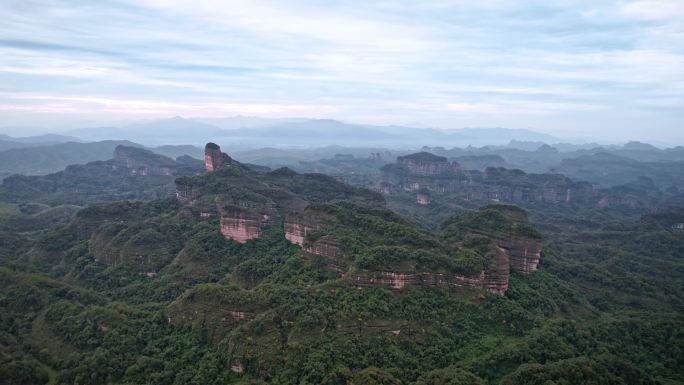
(575, 69)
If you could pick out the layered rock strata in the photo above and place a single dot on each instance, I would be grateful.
(241, 225)
(524, 253)
(425, 171)
(401, 280)
(297, 226)
(426, 164)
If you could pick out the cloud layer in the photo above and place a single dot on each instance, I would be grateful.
(607, 70)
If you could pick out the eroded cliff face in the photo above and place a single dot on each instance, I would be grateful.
(402, 280)
(524, 253)
(518, 244)
(424, 171)
(495, 279)
(299, 228)
(183, 194)
(142, 162)
(429, 168)
(330, 249)
(620, 200)
(214, 159)
(298, 225)
(241, 225)
(423, 199)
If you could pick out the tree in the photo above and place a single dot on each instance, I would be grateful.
(450, 375)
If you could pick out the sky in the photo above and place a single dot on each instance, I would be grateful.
(604, 70)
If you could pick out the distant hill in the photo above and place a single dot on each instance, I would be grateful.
(609, 169)
(176, 130)
(322, 132)
(44, 138)
(174, 151)
(8, 142)
(40, 160)
(254, 132)
(234, 122)
(132, 173)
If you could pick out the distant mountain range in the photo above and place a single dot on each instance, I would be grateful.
(249, 132)
(293, 142)
(46, 159)
(9, 142)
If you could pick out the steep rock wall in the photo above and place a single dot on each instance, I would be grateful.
(496, 277)
(214, 158)
(298, 225)
(241, 225)
(401, 280)
(524, 253)
(429, 168)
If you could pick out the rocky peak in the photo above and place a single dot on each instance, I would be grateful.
(215, 159)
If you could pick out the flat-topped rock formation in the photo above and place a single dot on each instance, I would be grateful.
(497, 238)
(426, 164)
(427, 172)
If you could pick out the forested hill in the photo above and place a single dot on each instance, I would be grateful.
(132, 173)
(276, 277)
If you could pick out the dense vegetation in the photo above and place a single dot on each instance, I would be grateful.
(143, 293)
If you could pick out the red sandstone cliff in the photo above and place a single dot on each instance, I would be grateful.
(242, 225)
(214, 159)
(299, 225)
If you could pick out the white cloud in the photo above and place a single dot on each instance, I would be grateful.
(492, 62)
(654, 9)
(270, 19)
(90, 104)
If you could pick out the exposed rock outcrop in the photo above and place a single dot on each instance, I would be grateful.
(495, 279)
(330, 249)
(426, 164)
(183, 194)
(518, 244)
(425, 171)
(524, 253)
(402, 280)
(423, 198)
(247, 201)
(142, 162)
(298, 225)
(504, 241)
(214, 159)
(242, 225)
